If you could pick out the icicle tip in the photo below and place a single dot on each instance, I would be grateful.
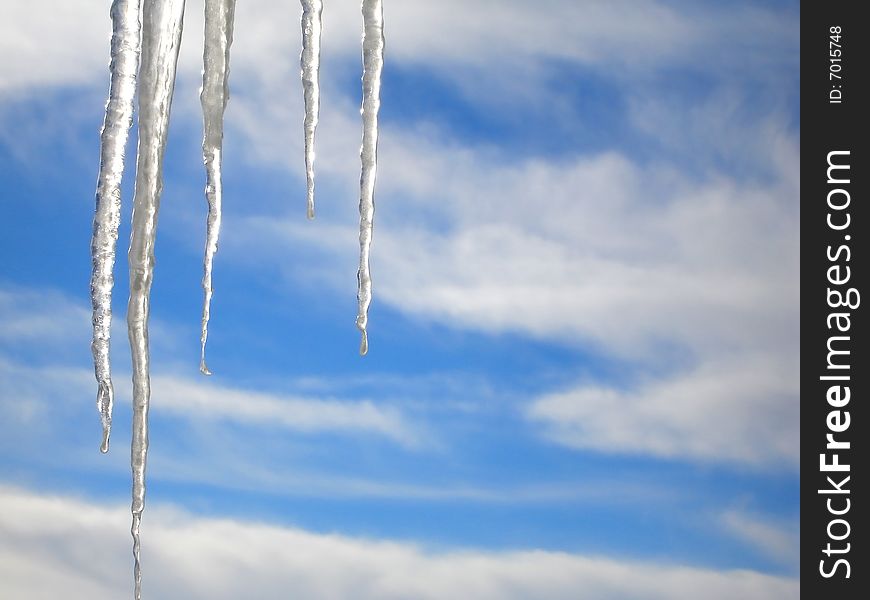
(203, 368)
(104, 445)
(364, 343)
(104, 403)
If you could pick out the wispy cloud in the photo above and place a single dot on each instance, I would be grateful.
(192, 399)
(613, 256)
(29, 391)
(47, 412)
(694, 282)
(72, 44)
(60, 45)
(778, 540)
(44, 318)
(82, 550)
(719, 412)
(30, 315)
(35, 319)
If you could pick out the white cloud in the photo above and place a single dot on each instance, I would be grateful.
(779, 541)
(740, 412)
(46, 412)
(28, 315)
(201, 400)
(59, 45)
(54, 328)
(55, 546)
(54, 43)
(38, 321)
(30, 392)
(686, 265)
(594, 250)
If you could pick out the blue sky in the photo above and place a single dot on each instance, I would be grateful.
(583, 361)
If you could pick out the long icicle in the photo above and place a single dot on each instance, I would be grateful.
(312, 11)
(219, 16)
(161, 38)
(373, 62)
(126, 31)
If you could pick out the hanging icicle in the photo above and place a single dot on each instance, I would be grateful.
(113, 141)
(310, 61)
(373, 62)
(156, 39)
(161, 38)
(219, 16)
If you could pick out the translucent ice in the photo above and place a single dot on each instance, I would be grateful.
(310, 60)
(373, 62)
(215, 93)
(161, 38)
(126, 31)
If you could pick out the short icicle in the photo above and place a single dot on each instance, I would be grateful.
(373, 62)
(214, 96)
(312, 11)
(126, 31)
(161, 38)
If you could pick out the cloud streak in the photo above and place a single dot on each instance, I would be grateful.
(29, 317)
(55, 546)
(719, 412)
(778, 540)
(191, 399)
(691, 281)
(72, 45)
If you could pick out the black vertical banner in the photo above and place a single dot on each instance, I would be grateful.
(835, 223)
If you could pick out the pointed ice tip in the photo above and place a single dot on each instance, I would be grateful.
(203, 368)
(105, 400)
(310, 213)
(364, 344)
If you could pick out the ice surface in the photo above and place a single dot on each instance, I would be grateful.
(161, 38)
(214, 96)
(151, 30)
(310, 61)
(373, 62)
(126, 31)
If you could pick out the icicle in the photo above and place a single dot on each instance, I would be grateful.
(214, 96)
(373, 62)
(113, 140)
(310, 59)
(161, 37)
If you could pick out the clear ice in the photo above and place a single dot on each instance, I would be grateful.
(373, 62)
(161, 38)
(214, 96)
(312, 11)
(146, 37)
(126, 31)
